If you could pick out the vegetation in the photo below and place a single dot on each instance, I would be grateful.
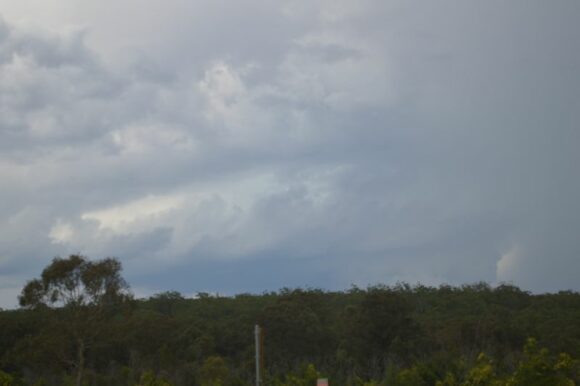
(78, 298)
(79, 326)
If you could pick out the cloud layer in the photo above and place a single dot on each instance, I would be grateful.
(248, 147)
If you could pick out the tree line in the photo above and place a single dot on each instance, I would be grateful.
(79, 325)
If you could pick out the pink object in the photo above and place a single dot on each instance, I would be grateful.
(322, 382)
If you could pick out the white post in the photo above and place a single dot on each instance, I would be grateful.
(258, 343)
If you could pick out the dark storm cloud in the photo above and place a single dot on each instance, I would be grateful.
(308, 143)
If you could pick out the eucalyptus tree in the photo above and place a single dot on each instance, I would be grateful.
(81, 296)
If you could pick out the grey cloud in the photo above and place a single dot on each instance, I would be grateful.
(380, 141)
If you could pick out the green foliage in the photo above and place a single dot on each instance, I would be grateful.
(167, 303)
(7, 379)
(538, 368)
(214, 372)
(306, 377)
(296, 325)
(79, 297)
(381, 327)
(149, 379)
(76, 282)
(482, 374)
(410, 377)
(387, 336)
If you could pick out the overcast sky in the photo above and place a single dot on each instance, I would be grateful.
(243, 146)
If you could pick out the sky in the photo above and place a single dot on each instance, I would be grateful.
(229, 147)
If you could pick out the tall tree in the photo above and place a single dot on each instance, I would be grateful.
(82, 296)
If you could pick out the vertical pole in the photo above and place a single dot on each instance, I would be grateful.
(258, 343)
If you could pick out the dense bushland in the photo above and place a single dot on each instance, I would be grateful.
(381, 335)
